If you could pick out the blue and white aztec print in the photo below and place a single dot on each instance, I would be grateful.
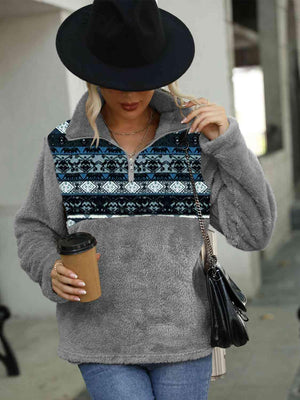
(94, 181)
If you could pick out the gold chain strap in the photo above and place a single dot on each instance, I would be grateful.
(211, 258)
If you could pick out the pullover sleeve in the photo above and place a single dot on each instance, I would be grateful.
(39, 223)
(243, 206)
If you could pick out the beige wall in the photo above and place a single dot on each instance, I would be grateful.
(34, 99)
(68, 5)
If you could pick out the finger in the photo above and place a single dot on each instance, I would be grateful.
(69, 281)
(199, 118)
(62, 270)
(201, 100)
(68, 289)
(206, 121)
(196, 112)
(202, 120)
(65, 295)
(188, 104)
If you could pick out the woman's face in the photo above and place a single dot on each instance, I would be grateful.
(115, 98)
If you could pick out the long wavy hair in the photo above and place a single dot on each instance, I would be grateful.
(94, 104)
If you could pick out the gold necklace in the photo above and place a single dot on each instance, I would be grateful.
(133, 153)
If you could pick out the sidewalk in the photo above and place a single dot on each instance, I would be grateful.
(265, 368)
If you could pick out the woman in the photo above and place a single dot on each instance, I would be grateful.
(149, 332)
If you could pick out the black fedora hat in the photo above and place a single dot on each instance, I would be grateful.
(129, 45)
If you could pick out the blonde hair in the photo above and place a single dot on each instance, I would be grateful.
(94, 104)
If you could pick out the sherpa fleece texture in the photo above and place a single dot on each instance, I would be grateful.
(154, 305)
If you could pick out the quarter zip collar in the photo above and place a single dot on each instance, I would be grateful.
(162, 101)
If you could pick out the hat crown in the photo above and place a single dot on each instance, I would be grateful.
(129, 45)
(125, 33)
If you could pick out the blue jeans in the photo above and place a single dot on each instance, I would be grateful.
(150, 381)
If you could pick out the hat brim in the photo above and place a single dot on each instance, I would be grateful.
(77, 58)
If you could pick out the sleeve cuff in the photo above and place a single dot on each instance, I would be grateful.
(46, 285)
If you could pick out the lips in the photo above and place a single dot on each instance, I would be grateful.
(129, 106)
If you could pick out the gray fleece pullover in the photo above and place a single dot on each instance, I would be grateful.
(154, 305)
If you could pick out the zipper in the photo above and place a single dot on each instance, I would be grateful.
(131, 160)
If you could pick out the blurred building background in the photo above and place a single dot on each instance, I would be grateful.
(247, 59)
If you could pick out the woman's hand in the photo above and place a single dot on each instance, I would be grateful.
(65, 283)
(210, 118)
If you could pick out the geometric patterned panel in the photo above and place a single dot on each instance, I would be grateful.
(94, 181)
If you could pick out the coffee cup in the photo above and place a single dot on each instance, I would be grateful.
(78, 253)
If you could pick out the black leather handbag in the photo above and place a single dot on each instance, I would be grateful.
(227, 302)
